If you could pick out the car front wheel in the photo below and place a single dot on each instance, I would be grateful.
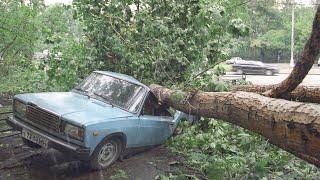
(240, 71)
(106, 153)
(268, 73)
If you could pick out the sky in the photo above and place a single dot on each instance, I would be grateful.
(49, 2)
(303, 1)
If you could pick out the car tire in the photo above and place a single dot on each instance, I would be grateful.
(106, 153)
(268, 73)
(31, 144)
(240, 71)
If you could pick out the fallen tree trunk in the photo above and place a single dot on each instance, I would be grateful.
(301, 93)
(292, 126)
(302, 67)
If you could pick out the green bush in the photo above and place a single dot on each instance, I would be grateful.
(224, 151)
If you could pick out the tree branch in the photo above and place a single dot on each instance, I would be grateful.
(292, 126)
(301, 93)
(302, 67)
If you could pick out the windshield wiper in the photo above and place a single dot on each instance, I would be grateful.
(84, 92)
(104, 97)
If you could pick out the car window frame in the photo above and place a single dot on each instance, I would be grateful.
(144, 101)
(146, 91)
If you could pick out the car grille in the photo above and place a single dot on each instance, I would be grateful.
(43, 118)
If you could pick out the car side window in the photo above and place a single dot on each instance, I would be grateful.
(153, 108)
(150, 106)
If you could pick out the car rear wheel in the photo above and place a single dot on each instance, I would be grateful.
(268, 73)
(31, 144)
(106, 153)
(239, 71)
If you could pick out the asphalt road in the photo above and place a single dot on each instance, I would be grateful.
(310, 80)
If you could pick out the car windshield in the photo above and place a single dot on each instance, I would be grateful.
(114, 91)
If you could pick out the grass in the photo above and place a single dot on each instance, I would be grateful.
(119, 175)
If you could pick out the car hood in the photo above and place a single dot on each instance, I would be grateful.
(74, 107)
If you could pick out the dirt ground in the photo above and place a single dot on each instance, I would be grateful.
(18, 161)
(51, 164)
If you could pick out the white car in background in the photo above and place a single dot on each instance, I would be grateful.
(235, 60)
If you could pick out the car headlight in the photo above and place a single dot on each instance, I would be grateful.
(74, 132)
(19, 108)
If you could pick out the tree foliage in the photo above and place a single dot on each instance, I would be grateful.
(271, 30)
(160, 41)
(70, 52)
(18, 32)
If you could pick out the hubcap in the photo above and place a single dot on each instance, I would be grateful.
(239, 71)
(107, 154)
(269, 73)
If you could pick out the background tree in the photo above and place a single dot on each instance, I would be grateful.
(270, 30)
(173, 43)
(153, 40)
(18, 31)
(292, 126)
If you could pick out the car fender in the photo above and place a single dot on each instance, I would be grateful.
(95, 137)
(120, 135)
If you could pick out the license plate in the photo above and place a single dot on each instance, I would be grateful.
(35, 138)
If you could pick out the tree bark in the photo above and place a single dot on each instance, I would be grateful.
(301, 93)
(292, 126)
(302, 67)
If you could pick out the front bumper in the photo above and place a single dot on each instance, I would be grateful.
(78, 152)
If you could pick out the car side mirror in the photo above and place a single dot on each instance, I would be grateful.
(191, 118)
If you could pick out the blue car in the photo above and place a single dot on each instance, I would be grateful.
(100, 120)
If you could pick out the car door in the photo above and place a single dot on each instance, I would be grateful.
(246, 68)
(155, 123)
(255, 69)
